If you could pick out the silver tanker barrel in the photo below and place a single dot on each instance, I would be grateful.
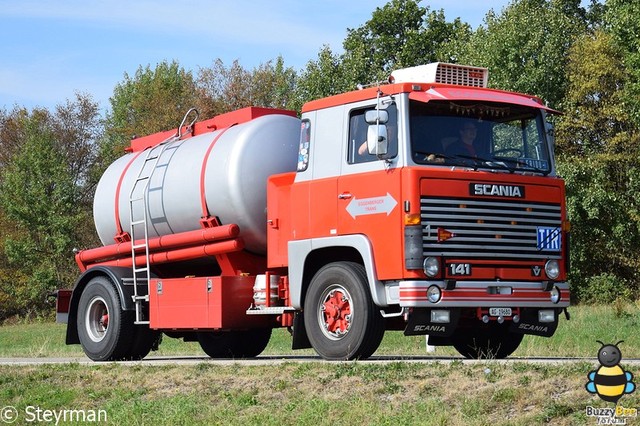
(239, 159)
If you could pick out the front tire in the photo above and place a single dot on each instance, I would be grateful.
(341, 319)
(105, 330)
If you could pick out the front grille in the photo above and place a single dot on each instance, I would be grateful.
(487, 228)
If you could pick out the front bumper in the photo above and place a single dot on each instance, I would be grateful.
(479, 293)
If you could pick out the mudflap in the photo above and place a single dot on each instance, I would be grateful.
(529, 324)
(420, 323)
(300, 338)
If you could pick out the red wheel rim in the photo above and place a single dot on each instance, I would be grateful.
(334, 312)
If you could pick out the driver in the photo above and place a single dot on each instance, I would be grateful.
(464, 145)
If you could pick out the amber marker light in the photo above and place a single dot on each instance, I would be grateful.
(412, 219)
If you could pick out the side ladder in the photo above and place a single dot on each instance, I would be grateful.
(138, 217)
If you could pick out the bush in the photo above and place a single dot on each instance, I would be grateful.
(604, 289)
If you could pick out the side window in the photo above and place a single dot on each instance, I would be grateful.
(303, 150)
(534, 145)
(357, 152)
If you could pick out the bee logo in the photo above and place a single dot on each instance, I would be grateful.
(610, 381)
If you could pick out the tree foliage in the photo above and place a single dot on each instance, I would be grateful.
(46, 187)
(322, 77)
(398, 35)
(525, 47)
(585, 61)
(622, 21)
(600, 146)
(222, 89)
(151, 101)
(39, 197)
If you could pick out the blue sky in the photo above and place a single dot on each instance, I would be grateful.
(51, 49)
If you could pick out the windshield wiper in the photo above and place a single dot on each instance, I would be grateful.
(523, 164)
(483, 161)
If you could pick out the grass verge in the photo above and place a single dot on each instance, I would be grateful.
(311, 393)
(574, 338)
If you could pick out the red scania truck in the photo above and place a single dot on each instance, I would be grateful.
(428, 204)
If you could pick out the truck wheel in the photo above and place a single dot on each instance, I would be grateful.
(341, 320)
(104, 329)
(493, 341)
(144, 341)
(251, 343)
(234, 344)
(217, 344)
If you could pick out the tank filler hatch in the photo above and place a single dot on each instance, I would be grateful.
(440, 72)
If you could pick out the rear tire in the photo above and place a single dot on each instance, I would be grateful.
(234, 344)
(492, 341)
(144, 341)
(105, 330)
(217, 344)
(251, 343)
(340, 317)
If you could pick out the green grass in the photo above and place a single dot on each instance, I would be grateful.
(311, 393)
(574, 338)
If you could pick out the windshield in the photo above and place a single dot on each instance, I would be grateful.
(479, 135)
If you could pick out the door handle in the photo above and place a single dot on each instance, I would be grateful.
(345, 196)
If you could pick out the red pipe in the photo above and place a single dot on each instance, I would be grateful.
(166, 242)
(180, 255)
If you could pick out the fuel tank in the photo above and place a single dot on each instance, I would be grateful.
(224, 172)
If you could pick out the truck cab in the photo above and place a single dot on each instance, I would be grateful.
(431, 199)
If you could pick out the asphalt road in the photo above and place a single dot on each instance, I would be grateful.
(277, 360)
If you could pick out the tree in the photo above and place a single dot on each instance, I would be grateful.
(222, 89)
(152, 100)
(525, 47)
(320, 78)
(599, 143)
(595, 120)
(622, 21)
(46, 188)
(398, 35)
(38, 195)
(77, 126)
(273, 84)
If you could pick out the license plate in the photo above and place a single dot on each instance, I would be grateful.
(500, 312)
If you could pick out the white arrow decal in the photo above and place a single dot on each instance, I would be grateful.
(374, 205)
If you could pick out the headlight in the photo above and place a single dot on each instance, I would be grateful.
(431, 266)
(552, 269)
(555, 295)
(434, 294)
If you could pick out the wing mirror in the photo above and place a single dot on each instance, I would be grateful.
(376, 116)
(377, 140)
